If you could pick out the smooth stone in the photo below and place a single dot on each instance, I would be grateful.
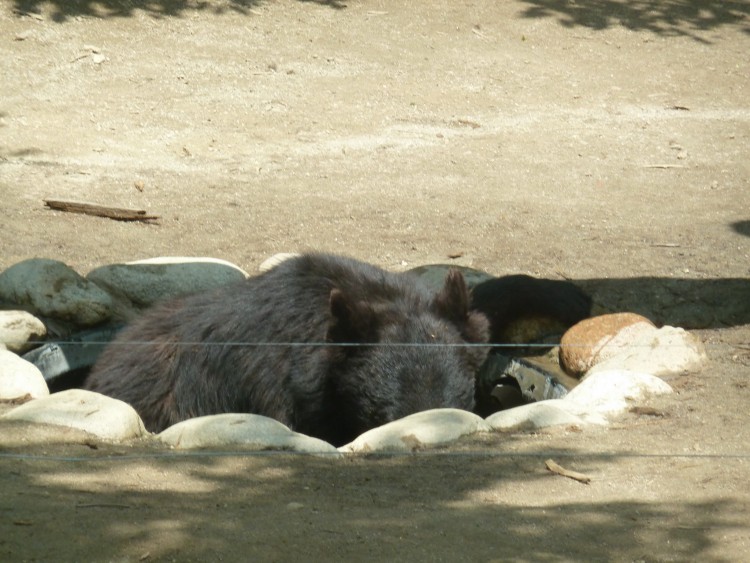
(251, 431)
(19, 434)
(105, 417)
(17, 328)
(422, 429)
(433, 275)
(146, 282)
(542, 414)
(19, 378)
(598, 339)
(53, 289)
(665, 351)
(613, 392)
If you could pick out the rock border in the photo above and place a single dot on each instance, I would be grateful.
(612, 383)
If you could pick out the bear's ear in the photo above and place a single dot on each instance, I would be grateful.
(351, 321)
(452, 303)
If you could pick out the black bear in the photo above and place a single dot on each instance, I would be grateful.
(521, 309)
(329, 346)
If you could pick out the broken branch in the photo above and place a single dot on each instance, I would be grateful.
(555, 468)
(116, 213)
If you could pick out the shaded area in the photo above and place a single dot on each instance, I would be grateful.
(687, 303)
(662, 17)
(287, 508)
(741, 227)
(65, 9)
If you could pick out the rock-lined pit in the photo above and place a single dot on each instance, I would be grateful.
(620, 367)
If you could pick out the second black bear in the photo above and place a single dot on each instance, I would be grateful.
(329, 346)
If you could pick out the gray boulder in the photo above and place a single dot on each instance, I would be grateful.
(146, 282)
(52, 289)
(433, 275)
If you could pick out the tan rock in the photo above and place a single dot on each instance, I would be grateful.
(598, 339)
(18, 328)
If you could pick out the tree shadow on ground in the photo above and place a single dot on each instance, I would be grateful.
(687, 303)
(287, 507)
(742, 227)
(661, 17)
(62, 10)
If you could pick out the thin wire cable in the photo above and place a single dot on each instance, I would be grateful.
(336, 454)
(356, 344)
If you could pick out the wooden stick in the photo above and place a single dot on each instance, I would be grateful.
(664, 166)
(552, 466)
(103, 505)
(116, 213)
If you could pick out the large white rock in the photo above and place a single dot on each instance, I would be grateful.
(275, 260)
(664, 351)
(147, 281)
(612, 392)
(427, 428)
(101, 416)
(17, 328)
(251, 431)
(543, 414)
(598, 398)
(19, 378)
(55, 290)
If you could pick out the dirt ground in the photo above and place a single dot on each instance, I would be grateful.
(603, 140)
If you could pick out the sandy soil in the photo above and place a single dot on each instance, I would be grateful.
(602, 140)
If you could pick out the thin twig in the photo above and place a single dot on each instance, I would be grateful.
(555, 468)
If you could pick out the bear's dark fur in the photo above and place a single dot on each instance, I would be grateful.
(327, 345)
(509, 302)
